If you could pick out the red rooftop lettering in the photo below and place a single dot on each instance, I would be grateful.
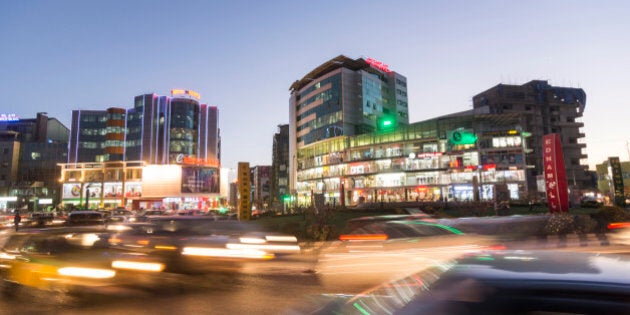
(378, 65)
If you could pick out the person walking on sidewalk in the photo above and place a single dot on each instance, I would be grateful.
(17, 219)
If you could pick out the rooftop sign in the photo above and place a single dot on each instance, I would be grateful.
(9, 117)
(179, 92)
(378, 65)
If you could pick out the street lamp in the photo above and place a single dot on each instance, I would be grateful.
(87, 196)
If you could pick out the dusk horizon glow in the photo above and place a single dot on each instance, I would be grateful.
(243, 56)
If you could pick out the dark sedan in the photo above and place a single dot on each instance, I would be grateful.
(503, 282)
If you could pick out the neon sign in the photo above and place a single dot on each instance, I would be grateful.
(378, 65)
(185, 92)
(9, 117)
(189, 160)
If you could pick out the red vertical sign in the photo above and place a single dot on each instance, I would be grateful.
(555, 174)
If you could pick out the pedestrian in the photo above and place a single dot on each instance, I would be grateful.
(16, 219)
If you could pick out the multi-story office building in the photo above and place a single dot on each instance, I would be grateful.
(546, 109)
(459, 157)
(30, 150)
(345, 102)
(115, 152)
(344, 97)
(280, 166)
(260, 176)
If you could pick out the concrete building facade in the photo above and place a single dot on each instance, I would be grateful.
(29, 152)
(546, 109)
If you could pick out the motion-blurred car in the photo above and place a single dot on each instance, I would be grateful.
(42, 218)
(191, 212)
(620, 233)
(386, 250)
(71, 260)
(199, 244)
(153, 212)
(499, 282)
(359, 222)
(76, 218)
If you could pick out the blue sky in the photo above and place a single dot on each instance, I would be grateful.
(242, 56)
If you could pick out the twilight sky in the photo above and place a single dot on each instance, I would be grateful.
(57, 56)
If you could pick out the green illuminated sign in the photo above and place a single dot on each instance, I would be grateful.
(386, 123)
(461, 136)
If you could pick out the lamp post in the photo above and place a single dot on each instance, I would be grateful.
(87, 196)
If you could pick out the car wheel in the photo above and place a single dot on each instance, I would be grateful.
(9, 288)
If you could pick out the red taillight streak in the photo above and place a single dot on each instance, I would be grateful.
(618, 225)
(363, 237)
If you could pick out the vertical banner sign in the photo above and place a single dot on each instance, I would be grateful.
(617, 180)
(555, 174)
(244, 190)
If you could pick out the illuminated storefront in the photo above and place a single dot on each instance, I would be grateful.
(419, 162)
(162, 153)
(136, 185)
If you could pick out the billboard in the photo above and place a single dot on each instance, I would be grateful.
(200, 180)
(555, 174)
(71, 190)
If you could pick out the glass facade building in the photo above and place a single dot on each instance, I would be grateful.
(344, 97)
(29, 152)
(157, 130)
(423, 161)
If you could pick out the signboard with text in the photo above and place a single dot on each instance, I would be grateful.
(244, 190)
(555, 174)
(617, 181)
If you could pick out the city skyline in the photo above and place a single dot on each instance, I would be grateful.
(243, 57)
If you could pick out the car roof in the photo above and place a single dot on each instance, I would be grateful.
(555, 280)
(544, 266)
(60, 230)
(86, 212)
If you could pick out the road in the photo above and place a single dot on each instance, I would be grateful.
(259, 288)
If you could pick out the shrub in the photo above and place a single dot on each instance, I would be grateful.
(612, 214)
(559, 224)
(584, 224)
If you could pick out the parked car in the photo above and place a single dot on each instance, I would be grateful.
(499, 282)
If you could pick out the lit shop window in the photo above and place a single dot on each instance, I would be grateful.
(505, 142)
